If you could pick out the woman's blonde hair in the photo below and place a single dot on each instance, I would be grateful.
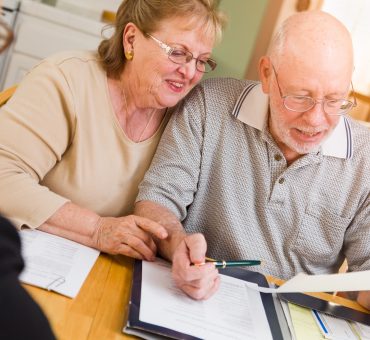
(147, 16)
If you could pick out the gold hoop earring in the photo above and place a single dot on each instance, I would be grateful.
(129, 55)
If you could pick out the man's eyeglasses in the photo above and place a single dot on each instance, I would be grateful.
(181, 56)
(335, 107)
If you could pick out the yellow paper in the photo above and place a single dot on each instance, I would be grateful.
(305, 327)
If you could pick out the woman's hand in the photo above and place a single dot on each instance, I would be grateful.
(128, 235)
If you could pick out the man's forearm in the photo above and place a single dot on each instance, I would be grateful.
(167, 219)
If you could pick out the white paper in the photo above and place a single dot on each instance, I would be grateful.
(337, 329)
(55, 263)
(344, 282)
(362, 330)
(234, 312)
(288, 318)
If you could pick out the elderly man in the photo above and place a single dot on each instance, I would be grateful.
(272, 170)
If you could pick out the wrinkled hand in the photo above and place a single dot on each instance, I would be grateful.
(128, 235)
(199, 282)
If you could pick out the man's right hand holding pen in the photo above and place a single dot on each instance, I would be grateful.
(196, 274)
(198, 281)
(191, 272)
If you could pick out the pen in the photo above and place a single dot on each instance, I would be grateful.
(237, 263)
(320, 322)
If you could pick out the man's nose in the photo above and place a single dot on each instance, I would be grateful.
(316, 115)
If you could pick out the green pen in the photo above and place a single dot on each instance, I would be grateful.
(237, 263)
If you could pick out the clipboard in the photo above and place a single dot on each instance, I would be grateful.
(151, 331)
(327, 307)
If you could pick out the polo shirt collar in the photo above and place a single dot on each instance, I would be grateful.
(252, 108)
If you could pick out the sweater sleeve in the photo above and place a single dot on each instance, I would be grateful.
(36, 128)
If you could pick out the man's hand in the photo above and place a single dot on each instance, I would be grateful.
(129, 235)
(363, 298)
(199, 282)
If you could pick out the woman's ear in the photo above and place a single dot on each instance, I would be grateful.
(264, 70)
(128, 37)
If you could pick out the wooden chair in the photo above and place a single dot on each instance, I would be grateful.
(362, 110)
(6, 94)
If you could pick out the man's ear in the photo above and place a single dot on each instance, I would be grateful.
(265, 72)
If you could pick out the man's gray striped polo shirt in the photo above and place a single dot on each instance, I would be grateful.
(219, 170)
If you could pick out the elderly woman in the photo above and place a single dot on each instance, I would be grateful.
(79, 133)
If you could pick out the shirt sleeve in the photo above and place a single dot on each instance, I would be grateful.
(173, 176)
(357, 239)
(36, 127)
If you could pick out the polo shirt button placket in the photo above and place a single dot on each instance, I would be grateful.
(278, 157)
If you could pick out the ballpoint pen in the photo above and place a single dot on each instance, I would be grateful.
(236, 263)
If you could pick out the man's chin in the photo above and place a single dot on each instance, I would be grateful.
(303, 149)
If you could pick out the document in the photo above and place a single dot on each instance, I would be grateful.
(304, 326)
(361, 330)
(288, 318)
(55, 263)
(234, 312)
(334, 328)
(310, 324)
(343, 282)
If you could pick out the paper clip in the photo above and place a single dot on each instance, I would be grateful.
(59, 280)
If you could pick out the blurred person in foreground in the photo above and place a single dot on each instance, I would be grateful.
(20, 316)
(272, 170)
(16, 305)
(80, 131)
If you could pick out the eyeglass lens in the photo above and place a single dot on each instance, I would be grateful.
(180, 56)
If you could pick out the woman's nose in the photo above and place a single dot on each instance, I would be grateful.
(189, 69)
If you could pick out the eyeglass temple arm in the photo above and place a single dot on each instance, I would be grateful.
(165, 47)
(354, 95)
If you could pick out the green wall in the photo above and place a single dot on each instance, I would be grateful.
(233, 53)
(49, 2)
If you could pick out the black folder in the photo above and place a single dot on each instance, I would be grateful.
(150, 331)
(326, 307)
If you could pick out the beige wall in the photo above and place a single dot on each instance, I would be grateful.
(275, 13)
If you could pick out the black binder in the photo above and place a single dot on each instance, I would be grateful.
(326, 307)
(150, 331)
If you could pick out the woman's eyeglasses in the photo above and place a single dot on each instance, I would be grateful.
(181, 56)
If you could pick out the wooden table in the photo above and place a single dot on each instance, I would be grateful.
(99, 310)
